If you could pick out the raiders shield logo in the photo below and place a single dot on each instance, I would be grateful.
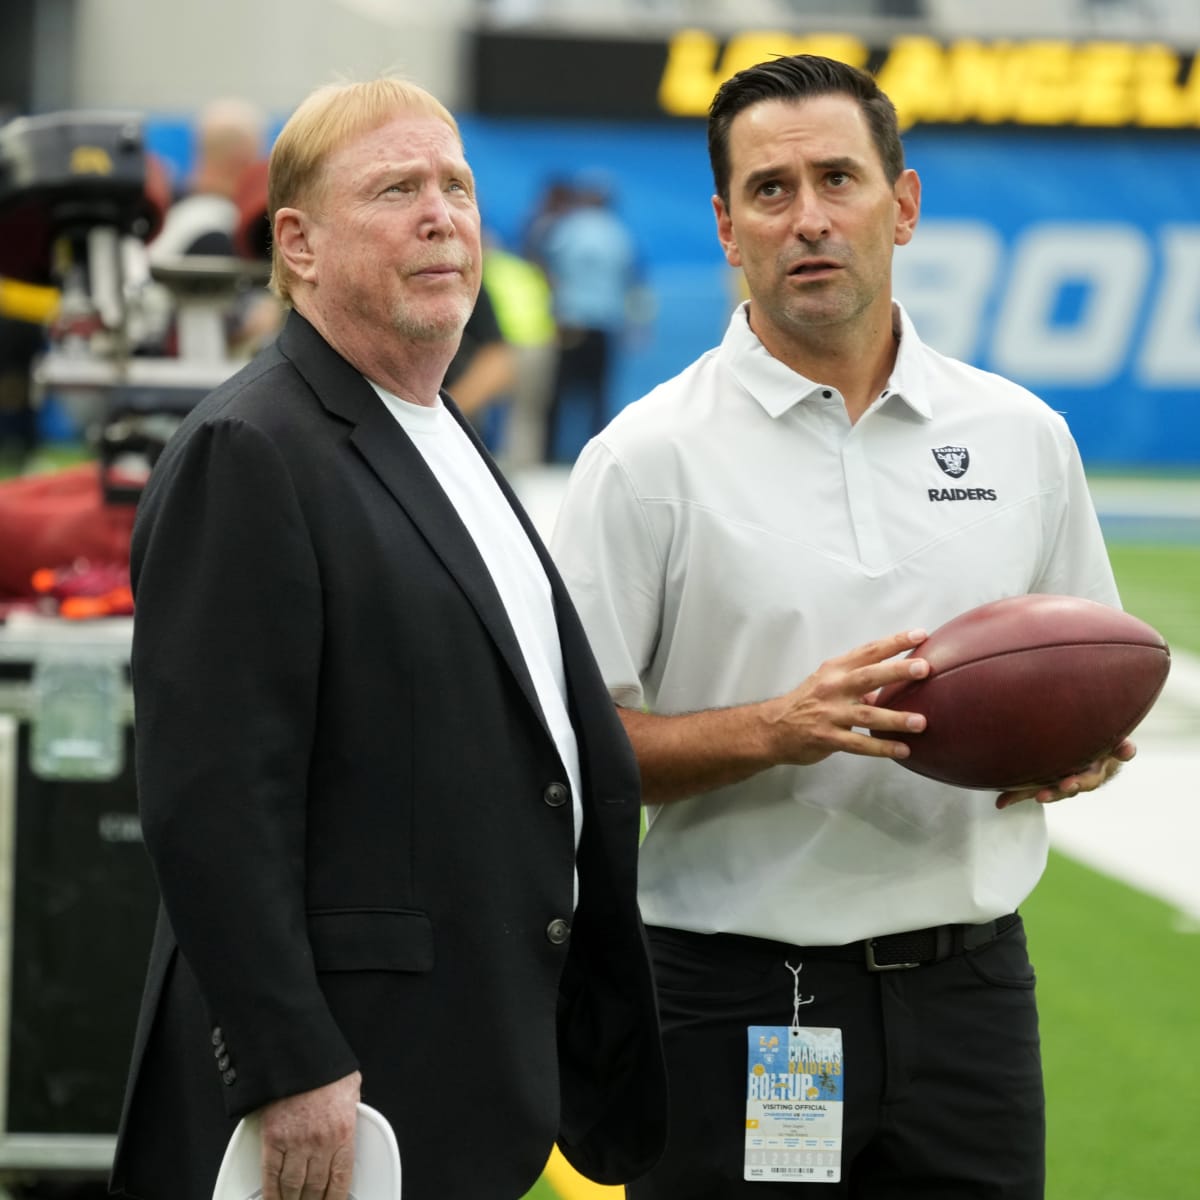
(954, 460)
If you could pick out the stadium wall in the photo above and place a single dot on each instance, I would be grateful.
(175, 56)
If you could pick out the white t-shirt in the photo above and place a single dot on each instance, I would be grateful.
(511, 561)
(732, 530)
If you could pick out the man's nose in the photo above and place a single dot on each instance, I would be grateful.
(436, 217)
(810, 219)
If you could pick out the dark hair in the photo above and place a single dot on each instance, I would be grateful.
(798, 77)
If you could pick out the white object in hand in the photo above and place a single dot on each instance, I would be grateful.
(376, 1160)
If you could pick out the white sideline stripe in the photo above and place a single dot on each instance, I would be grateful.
(1179, 498)
(1183, 683)
(1143, 827)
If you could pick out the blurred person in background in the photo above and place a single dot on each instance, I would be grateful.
(520, 294)
(390, 808)
(226, 179)
(834, 939)
(229, 140)
(590, 259)
(556, 199)
(501, 375)
(484, 367)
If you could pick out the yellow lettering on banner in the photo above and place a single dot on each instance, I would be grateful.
(844, 47)
(1162, 102)
(979, 82)
(689, 78)
(1193, 91)
(692, 74)
(1045, 83)
(914, 76)
(747, 49)
(1051, 82)
(1105, 83)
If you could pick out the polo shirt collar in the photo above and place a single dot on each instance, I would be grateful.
(908, 380)
(777, 388)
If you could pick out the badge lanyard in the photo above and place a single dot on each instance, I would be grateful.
(794, 1097)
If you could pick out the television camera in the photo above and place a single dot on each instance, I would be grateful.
(80, 196)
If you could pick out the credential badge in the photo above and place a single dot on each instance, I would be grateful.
(954, 460)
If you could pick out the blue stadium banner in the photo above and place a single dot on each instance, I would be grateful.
(1067, 261)
(1072, 265)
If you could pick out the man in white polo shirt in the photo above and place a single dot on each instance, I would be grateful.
(845, 990)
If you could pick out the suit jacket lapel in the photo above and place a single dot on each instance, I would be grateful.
(389, 452)
(593, 713)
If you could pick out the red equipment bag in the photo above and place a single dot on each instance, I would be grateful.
(55, 519)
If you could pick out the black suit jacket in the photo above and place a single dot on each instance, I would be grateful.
(359, 822)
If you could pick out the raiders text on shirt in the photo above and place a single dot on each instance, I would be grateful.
(962, 493)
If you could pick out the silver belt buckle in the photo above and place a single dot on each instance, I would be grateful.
(872, 965)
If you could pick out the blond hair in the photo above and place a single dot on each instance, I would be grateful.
(325, 121)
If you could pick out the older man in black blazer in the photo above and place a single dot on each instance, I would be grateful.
(391, 810)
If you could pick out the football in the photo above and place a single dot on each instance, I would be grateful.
(1025, 691)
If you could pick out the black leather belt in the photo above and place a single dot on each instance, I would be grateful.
(892, 952)
(900, 951)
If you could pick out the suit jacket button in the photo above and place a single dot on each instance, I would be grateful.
(217, 1036)
(558, 931)
(219, 1049)
(556, 795)
(229, 1075)
(223, 1063)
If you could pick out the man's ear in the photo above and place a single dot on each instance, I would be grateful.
(725, 232)
(908, 206)
(292, 238)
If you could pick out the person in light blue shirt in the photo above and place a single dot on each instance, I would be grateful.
(591, 261)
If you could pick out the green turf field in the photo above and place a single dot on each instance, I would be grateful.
(1161, 584)
(1118, 980)
(1118, 975)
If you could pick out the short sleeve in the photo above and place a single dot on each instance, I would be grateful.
(604, 547)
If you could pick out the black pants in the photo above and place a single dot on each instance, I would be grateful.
(943, 1077)
(581, 377)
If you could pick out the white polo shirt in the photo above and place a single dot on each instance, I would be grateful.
(732, 530)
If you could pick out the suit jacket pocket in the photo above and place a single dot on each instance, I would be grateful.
(371, 939)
